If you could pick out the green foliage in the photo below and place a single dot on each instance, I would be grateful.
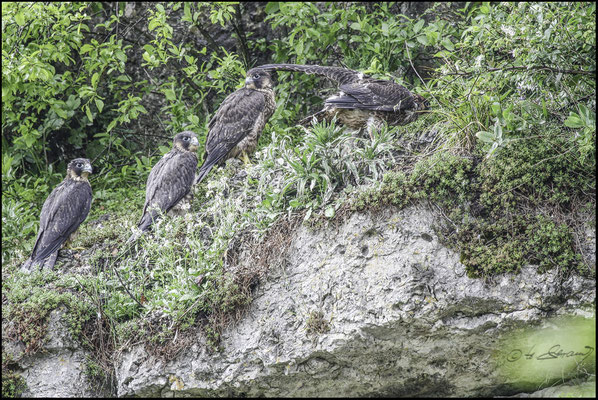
(551, 245)
(365, 37)
(586, 120)
(326, 160)
(542, 171)
(33, 297)
(507, 244)
(517, 66)
(395, 189)
(56, 84)
(13, 384)
(444, 178)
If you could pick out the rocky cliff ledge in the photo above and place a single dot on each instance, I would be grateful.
(373, 307)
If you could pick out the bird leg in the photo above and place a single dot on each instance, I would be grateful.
(245, 158)
(374, 124)
(69, 244)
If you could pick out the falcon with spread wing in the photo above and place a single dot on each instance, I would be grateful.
(170, 180)
(362, 101)
(237, 125)
(62, 213)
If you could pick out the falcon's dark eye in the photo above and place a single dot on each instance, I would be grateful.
(79, 165)
(185, 138)
(256, 76)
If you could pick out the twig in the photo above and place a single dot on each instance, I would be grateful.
(118, 276)
(200, 297)
(211, 42)
(417, 73)
(524, 68)
(241, 34)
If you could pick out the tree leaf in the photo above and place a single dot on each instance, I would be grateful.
(94, 80)
(485, 136)
(423, 39)
(99, 104)
(88, 112)
(272, 7)
(20, 20)
(169, 93)
(446, 42)
(85, 48)
(573, 121)
(418, 26)
(60, 112)
(329, 213)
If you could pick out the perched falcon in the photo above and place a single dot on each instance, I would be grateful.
(237, 125)
(362, 101)
(170, 180)
(62, 213)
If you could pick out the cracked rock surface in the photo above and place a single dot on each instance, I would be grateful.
(401, 316)
(58, 370)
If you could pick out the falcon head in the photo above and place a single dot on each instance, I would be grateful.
(186, 141)
(79, 169)
(258, 79)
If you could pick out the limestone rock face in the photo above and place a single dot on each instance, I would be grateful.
(373, 307)
(58, 370)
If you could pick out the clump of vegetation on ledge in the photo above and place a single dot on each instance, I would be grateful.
(506, 154)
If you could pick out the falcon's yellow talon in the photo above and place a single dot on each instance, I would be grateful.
(245, 158)
(77, 248)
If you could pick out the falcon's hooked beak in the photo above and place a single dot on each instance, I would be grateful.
(249, 82)
(87, 168)
(194, 144)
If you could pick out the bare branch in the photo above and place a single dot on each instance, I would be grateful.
(524, 68)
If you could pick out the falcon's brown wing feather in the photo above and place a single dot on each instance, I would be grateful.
(62, 213)
(373, 95)
(235, 119)
(168, 182)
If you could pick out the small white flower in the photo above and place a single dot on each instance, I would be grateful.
(508, 30)
(478, 60)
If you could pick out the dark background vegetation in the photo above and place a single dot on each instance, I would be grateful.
(506, 154)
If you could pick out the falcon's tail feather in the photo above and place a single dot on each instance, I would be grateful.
(50, 261)
(147, 220)
(219, 152)
(203, 172)
(338, 74)
(134, 236)
(27, 265)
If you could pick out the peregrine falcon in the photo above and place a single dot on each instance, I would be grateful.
(170, 180)
(362, 101)
(237, 125)
(62, 213)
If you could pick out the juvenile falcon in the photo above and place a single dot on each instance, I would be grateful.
(170, 180)
(238, 123)
(362, 101)
(62, 213)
